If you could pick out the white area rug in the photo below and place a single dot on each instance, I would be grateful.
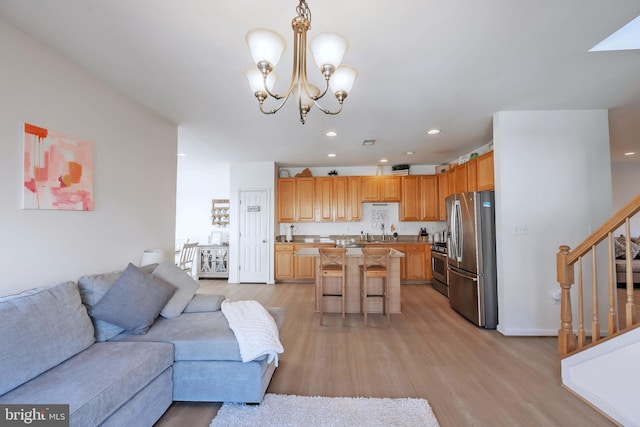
(284, 411)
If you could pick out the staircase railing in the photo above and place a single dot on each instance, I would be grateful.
(567, 261)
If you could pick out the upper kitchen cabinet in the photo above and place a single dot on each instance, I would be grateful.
(305, 200)
(443, 192)
(411, 198)
(461, 178)
(472, 175)
(419, 198)
(354, 212)
(324, 199)
(381, 188)
(338, 198)
(286, 199)
(485, 171)
(429, 198)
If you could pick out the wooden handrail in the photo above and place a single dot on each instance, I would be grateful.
(629, 210)
(566, 261)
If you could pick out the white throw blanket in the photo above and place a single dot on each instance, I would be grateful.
(255, 329)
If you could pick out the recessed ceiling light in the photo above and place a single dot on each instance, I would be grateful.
(332, 133)
(433, 131)
(410, 153)
(331, 155)
(630, 153)
(383, 160)
(182, 155)
(368, 142)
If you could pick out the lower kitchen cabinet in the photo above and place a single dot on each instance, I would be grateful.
(415, 262)
(418, 262)
(304, 267)
(290, 267)
(284, 267)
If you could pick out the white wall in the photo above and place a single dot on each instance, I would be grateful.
(134, 160)
(196, 187)
(553, 175)
(250, 176)
(626, 186)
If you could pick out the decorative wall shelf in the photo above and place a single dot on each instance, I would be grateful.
(220, 212)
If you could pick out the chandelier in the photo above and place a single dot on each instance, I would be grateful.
(328, 49)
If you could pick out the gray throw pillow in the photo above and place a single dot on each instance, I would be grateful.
(185, 284)
(134, 301)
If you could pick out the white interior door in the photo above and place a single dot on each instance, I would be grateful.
(253, 228)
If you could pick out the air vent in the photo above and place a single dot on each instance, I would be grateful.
(369, 142)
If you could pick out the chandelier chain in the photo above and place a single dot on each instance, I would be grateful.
(304, 11)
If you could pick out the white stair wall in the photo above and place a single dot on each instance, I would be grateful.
(607, 376)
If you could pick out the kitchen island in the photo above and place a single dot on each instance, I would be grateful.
(352, 283)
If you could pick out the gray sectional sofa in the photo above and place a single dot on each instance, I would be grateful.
(58, 349)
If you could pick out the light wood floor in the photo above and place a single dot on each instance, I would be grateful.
(470, 376)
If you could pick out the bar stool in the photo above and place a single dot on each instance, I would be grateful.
(375, 264)
(332, 264)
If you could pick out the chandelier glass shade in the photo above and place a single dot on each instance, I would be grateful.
(328, 49)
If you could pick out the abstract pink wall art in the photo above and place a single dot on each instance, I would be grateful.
(58, 171)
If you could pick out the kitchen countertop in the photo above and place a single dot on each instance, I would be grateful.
(351, 252)
(408, 240)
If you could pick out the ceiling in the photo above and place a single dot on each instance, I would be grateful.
(422, 64)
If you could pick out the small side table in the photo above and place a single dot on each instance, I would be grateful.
(212, 262)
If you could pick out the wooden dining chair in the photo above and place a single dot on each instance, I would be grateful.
(332, 264)
(187, 256)
(375, 264)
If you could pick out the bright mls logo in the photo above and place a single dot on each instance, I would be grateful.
(34, 415)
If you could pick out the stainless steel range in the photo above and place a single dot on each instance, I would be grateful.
(439, 267)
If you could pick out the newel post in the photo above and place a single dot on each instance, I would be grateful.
(566, 337)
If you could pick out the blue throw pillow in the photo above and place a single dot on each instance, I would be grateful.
(134, 301)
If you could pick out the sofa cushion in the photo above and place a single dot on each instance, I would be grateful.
(39, 331)
(185, 285)
(198, 336)
(92, 289)
(204, 302)
(96, 382)
(134, 300)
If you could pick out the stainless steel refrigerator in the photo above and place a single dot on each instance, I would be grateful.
(471, 250)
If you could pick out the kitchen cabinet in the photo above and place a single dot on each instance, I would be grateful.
(354, 211)
(461, 178)
(415, 262)
(443, 192)
(290, 267)
(451, 175)
(304, 267)
(428, 272)
(305, 199)
(338, 199)
(419, 198)
(428, 198)
(381, 188)
(284, 267)
(411, 199)
(324, 201)
(287, 200)
(472, 175)
(485, 177)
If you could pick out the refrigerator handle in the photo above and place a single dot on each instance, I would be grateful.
(460, 234)
(456, 235)
(460, 273)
